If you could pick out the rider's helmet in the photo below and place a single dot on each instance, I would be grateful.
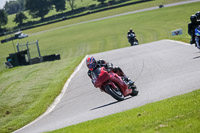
(91, 63)
(193, 18)
(198, 14)
(131, 30)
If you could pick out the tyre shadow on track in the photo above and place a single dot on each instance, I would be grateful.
(196, 57)
(102, 106)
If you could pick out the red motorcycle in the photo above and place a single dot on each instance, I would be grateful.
(112, 84)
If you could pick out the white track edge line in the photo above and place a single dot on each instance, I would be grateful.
(177, 42)
(58, 98)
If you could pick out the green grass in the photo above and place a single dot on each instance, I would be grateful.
(26, 91)
(86, 3)
(179, 114)
(78, 3)
(102, 14)
(88, 17)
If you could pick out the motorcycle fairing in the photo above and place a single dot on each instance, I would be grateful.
(117, 80)
(197, 31)
(101, 78)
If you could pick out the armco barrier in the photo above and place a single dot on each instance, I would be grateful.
(51, 57)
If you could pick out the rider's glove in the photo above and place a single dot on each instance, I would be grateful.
(109, 67)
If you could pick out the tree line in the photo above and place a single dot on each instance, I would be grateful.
(36, 8)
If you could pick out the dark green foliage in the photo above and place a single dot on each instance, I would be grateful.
(59, 5)
(71, 4)
(38, 8)
(20, 17)
(102, 1)
(12, 7)
(3, 18)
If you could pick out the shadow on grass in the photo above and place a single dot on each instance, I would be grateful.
(102, 106)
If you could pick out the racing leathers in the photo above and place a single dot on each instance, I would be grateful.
(191, 30)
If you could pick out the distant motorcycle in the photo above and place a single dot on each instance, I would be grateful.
(197, 37)
(112, 84)
(132, 39)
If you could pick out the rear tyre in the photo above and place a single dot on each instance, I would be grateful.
(136, 42)
(197, 42)
(115, 93)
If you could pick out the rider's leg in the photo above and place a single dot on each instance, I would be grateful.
(119, 72)
(192, 40)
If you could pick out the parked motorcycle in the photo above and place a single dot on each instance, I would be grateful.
(197, 37)
(112, 84)
(132, 39)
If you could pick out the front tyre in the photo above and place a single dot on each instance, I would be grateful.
(115, 93)
(135, 91)
(197, 42)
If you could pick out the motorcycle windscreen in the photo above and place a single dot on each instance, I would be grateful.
(102, 77)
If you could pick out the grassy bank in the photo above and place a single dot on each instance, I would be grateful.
(180, 114)
(26, 91)
(81, 4)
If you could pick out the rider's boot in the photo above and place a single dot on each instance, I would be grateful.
(125, 78)
(192, 41)
(129, 81)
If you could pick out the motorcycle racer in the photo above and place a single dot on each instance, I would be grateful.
(130, 31)
(191, 27)
(198, 15)
(92, 64)
(130, 36)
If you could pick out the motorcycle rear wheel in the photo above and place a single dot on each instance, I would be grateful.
(115, 93)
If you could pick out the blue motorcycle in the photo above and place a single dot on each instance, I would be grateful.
(197, 37)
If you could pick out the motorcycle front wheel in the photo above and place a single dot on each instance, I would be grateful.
(115, 93)
(197, 42)
(135, 92)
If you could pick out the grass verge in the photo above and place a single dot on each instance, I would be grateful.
(25, 98)
(81, 3)
(179, 114)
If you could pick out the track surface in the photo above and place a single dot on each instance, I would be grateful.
(163, 69)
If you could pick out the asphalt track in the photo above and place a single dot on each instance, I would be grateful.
(161, 69)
